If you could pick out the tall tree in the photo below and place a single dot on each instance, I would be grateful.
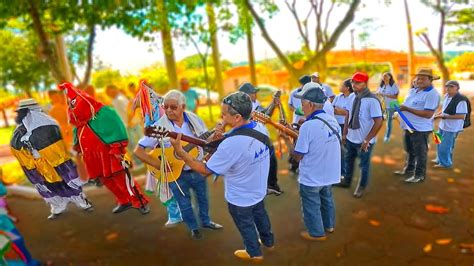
(213, 29)
(315, 56)
(411, 50)
(167, 42)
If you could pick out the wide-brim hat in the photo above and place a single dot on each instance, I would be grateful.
(427, 72)
(29, 103)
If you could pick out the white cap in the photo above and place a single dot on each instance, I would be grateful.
(315, 74)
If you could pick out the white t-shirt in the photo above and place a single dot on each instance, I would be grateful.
(453, 125)
(327, 90)
(321, 163)
(341, 101)
(369, 109)
(328, 108)
(427, 99)
(244, 162)
(295, 103)
(390, 90)
(185, 129)
(255, 105)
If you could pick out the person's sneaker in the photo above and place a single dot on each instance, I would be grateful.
(415, 179)
(359, 191)
(386, 139)
(274, 191)
(196, 235)
(213, 226)
(243, 255)
(170, 223)
(269, 248)
(403, 172)
(88, 207)
(309, 237)
(329, 230)
(121, 208)
(435, 161)
(440, 166)
(144, 209)
(54, 216)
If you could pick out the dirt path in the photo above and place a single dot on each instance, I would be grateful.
(388, 226)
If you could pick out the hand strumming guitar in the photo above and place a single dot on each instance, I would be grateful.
(176, 143)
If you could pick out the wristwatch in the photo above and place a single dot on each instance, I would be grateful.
(365, 141)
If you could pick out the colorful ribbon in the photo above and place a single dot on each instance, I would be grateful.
(395, 106)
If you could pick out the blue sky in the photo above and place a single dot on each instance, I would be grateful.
(120, 51)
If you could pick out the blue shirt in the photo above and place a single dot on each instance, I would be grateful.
(191, 99)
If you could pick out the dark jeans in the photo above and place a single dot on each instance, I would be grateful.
(352, 152)
(416, 146)
(272, 174)
(247, 219)
(191, 180)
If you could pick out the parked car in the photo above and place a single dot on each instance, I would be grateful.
(202, 93)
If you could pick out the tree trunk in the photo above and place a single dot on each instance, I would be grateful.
(62, 57)
(411, 50)
(206, 79)
(215, 48)
(253, 70)
(90, 49)
(46, 48)
(5, 118)
(167, 43)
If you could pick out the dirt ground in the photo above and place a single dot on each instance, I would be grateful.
(388, 226)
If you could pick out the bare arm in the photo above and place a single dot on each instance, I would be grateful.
(194, 164)
(340, 111)
(373, 132)
(446, 116)
(146, 158)
(297, 156)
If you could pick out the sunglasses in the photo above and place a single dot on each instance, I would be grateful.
(228, 101)
(172, 107)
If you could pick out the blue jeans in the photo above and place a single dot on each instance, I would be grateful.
(247, 219)
(446, 148)
(390, 112)
(318, 209)
(174, 215)
(191, 180)
(352, 152)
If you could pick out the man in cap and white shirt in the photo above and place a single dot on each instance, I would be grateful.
(243, 159)
(365, 121)
(315, 77)
(318, 149)
(419, 107)
(453, 121)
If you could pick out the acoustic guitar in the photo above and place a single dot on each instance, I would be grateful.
(265, 119)
(174, 164)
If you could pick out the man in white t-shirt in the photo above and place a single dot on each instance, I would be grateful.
(315, 77)
(365, 121)
(187, 123)
(243, 159)
(419, 107)
(295, 103)
(319, 152)
(454, 111)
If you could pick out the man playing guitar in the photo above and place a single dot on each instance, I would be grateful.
(178, 120)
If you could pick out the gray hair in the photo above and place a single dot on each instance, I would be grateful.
(175, 95)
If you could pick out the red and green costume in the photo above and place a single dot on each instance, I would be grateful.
(101, 137)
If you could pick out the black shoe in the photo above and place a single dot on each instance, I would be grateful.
(342, 184)
(196, 235)
(213, 226)
(403, 172)
(415, 179)
(145, 209)
(121, 208)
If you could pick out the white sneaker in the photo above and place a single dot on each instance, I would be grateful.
(170, 224)
(414, 179)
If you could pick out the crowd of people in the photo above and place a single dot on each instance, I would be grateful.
(332, 132)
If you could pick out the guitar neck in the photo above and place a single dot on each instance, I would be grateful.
(283, 128)
(193, 140)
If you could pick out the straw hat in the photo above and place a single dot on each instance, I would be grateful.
(427, 72)
(29, 103)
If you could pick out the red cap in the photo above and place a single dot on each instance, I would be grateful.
(360, 77)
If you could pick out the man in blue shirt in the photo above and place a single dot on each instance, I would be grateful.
(244, 161)
(192, 98)
(419, 108)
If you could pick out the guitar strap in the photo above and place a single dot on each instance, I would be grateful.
(250, 132)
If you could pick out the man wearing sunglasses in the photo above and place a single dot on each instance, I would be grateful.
(243, 159)
(178, 120)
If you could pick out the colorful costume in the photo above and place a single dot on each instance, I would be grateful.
(100, 136)
(38, 145)
(150, 105)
